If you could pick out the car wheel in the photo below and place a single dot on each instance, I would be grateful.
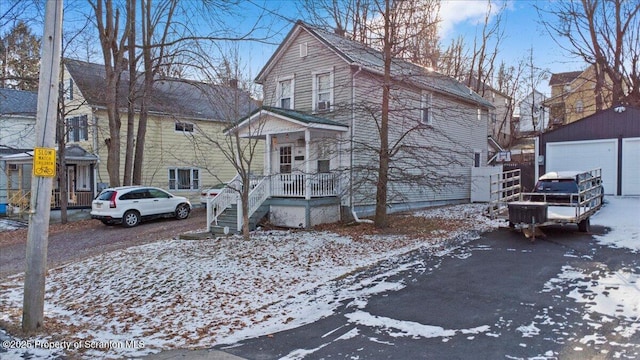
(182, 212)
(131, 218)
(584, 225)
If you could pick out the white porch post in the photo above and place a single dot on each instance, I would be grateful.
(307, 170)
(268, 155)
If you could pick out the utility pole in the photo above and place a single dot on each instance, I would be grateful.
(43, 169)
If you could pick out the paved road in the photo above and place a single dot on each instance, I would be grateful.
(499, 297)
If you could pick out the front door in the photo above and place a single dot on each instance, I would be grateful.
(286, 153)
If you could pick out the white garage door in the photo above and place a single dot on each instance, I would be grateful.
(586, 155)
(631, 166)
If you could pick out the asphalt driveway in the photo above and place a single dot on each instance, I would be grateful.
(501, 296)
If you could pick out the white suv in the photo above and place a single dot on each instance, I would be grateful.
(128, 205)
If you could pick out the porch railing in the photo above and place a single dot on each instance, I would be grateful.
(294, 185)
(20, 199)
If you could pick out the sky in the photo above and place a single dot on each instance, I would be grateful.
(523, 30)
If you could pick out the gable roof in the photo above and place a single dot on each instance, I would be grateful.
(297, 117)
(18, 102)
(564, 77)
(171, 96)
(357, 54)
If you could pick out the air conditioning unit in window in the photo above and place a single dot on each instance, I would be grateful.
(322, 105)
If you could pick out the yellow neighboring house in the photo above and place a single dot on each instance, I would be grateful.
(573, 96)
(185, 117)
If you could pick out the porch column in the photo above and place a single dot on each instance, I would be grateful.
(307, 170)
(268, 155)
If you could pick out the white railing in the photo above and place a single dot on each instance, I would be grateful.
(224, 199)
(259, 193)
(295, 184)
(504, 187)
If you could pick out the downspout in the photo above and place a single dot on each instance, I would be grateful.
(353, 123)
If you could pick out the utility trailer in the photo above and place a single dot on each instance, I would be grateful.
(532, 210)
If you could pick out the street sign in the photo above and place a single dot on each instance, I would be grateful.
(44, 162)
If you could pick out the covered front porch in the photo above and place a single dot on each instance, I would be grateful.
(304, 161)
(17, 175)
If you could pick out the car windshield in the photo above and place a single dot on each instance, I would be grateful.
(557, 186)
(105, 195)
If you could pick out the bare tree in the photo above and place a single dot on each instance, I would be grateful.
(113, 49)
(240, 152)
(605, 34)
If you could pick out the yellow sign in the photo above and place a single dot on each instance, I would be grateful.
(44, 162)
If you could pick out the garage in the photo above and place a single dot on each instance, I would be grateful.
(609, 140)
(586, 155)
(631, 166)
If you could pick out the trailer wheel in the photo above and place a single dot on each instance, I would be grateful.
(584, 225)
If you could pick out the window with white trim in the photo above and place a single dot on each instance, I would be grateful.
(285, 159)
(322, 91)
(285, 93)
(184, 178)
(426, 109)
(77, 129)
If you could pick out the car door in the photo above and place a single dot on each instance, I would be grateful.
(138, 199)
(161, 201)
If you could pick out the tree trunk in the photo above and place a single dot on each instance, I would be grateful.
(381, 219)
(131, 110)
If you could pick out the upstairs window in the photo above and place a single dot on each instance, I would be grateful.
(426, 109)
(184, 127)
(77, 129)
(285, 94)
(322, 91)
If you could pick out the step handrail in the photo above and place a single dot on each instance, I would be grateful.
(225, 198)
(258, 195)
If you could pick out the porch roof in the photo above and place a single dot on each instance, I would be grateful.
(72, 153)
(290, 121)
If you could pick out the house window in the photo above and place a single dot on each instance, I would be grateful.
(184, 178)
(184, 127)
(579, 107)
(68, 89)
(285, 93)
(426, 111)
(323, 166)
(476, 159)
(77, 129)
(285, 159)
(322, 91)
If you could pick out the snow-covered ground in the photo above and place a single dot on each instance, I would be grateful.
(182, 294)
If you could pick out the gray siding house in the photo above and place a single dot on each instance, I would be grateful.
(320, 119)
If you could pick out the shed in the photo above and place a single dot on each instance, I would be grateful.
(609, 139)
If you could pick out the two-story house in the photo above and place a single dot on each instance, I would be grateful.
(320, 120)
(186, 120)
(573, 96)
(17, 140)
